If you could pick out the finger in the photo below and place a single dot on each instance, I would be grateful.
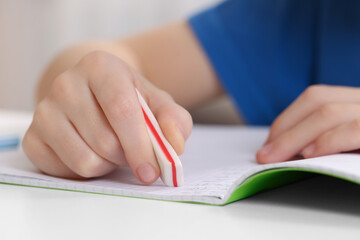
(43, 157)
(88, 118)
(115, 92)
(62, 137)
(175, 121)
(340, 139)
(294, 140)
(313, 98)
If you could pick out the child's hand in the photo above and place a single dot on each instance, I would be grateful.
(323, 120)
(91, 122)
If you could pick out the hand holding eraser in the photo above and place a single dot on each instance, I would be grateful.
(168, 160)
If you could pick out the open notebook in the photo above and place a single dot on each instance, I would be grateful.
(219, 168)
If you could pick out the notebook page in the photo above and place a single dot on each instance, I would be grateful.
(214, 159)
(346, 165)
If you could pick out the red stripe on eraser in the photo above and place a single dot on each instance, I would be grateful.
(169, 162)
(162, 146)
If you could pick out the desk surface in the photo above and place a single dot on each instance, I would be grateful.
(318, 208)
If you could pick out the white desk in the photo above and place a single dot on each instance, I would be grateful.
(321, 208)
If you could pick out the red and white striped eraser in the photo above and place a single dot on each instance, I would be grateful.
(168, 160)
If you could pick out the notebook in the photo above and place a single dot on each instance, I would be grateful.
(219, 168)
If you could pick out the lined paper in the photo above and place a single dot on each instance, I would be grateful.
(216, 161)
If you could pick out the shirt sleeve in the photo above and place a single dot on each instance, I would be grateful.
(261, 50)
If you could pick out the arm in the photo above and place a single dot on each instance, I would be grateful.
(88, 120)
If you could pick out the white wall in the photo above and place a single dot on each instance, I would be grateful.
(32, 31)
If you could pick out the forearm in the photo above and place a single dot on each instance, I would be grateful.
(173, 60)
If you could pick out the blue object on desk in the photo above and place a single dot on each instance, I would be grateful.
(9, 141)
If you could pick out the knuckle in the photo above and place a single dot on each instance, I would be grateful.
(328, 111)
(96, 58)
(102, 66)
(89, 165)
(314, 93)
(61, 88)
(107, 146)
(41, 113)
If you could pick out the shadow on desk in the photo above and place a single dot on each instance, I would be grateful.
(305, 201)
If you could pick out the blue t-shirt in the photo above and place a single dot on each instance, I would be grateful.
(266, 52)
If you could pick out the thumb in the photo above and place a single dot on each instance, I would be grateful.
(175, 122)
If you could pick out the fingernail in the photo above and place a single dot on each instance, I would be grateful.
(309, 150)
(266, 149)
(146, 173)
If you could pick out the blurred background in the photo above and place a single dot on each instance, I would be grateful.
(32, 32)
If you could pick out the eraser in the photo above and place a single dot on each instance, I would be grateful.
(168, 160)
